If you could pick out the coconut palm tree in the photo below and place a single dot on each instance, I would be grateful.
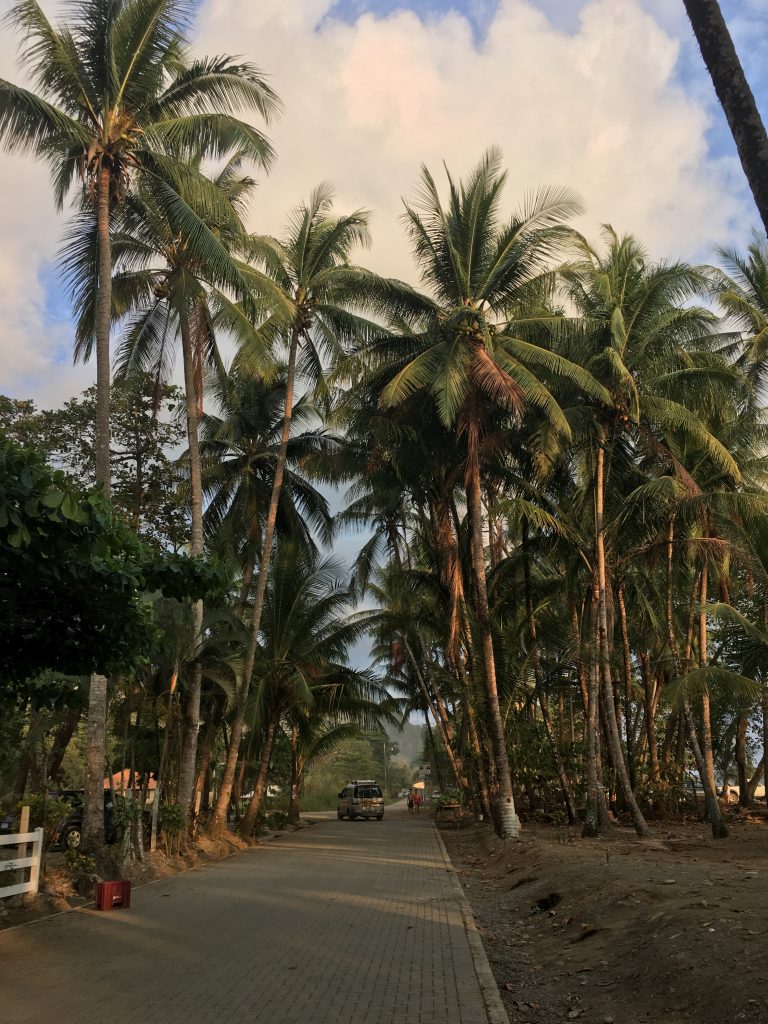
(302, 664)
(239, 447)
(328, 301)
(640, 344)
(741, 289)
(470, 355)
(170, 285)
(120, 100)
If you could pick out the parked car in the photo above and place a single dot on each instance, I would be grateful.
(68, 833)
(8, 824)
(361, 798)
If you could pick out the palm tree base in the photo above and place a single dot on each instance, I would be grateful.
(509, 824)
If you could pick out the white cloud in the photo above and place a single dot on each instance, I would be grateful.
(599, 109)
(34, 352)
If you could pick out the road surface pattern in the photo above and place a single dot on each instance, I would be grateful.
(344, 923)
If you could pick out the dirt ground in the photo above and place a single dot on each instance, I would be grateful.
(621, 930)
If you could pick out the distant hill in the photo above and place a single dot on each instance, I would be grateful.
(410, 741)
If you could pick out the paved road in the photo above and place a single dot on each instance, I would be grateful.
(343, 923)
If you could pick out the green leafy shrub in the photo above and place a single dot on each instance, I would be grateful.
(48, 813)
(173, 820)
(79, 863)
(276, 820)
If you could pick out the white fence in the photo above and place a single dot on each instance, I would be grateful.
(27, 860)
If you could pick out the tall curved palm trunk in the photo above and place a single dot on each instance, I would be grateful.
(225, 791)
(96, 727)
(614, 741)
(509, 823)
(735, 96)
(194, 686)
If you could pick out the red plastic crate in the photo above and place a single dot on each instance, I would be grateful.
(112, 894)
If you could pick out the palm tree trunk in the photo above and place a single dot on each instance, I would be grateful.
(102, 325)
(712, 808)
(203, 766)
(434, 704)
(260, 786)
(95, 738)
(614, 742)
(562, 774)
(596, 810)
(93, 797)
(745, 800)
(628, 723)
(719, 831)
(435, 753)
(650, 720)
(706, 713)
(220, 811)
(293, 803)
(509, 823)
(195, 682)
(735, 96)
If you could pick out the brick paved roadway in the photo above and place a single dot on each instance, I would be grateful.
(343, 923)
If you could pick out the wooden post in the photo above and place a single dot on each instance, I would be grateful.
(22, 848)
(34, 871)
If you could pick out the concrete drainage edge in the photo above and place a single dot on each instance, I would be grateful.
(494, 1007)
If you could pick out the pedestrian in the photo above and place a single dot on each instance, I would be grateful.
(417, 801)
(410, 801)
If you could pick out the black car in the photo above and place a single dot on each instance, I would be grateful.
(69, 832)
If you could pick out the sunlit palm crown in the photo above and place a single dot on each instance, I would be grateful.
(475, 335)
(118, 86)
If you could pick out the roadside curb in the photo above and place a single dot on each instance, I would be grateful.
(494, 1007)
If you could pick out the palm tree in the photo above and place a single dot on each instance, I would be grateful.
(468, 351)
(239, 448)
(741, 289)
(303, 658)
(170, 285)
(736, 97)
(119, 100)
(327, 299)
(639, 344)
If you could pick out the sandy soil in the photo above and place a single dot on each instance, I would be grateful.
(621, 930)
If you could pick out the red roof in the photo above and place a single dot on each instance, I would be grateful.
(121, 780)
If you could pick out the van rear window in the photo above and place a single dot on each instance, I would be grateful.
(368, 792)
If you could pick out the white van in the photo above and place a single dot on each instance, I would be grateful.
(361, 798)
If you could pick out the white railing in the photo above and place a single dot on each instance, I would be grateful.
(31, 861)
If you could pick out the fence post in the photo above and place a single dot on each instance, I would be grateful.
(21, 850)
(37, 853)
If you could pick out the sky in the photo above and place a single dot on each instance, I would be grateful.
(606, 96)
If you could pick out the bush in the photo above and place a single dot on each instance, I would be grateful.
(173, 820)
(48, 813)
(78, 863)
(276, 820)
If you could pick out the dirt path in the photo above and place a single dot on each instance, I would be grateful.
(671, 930)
